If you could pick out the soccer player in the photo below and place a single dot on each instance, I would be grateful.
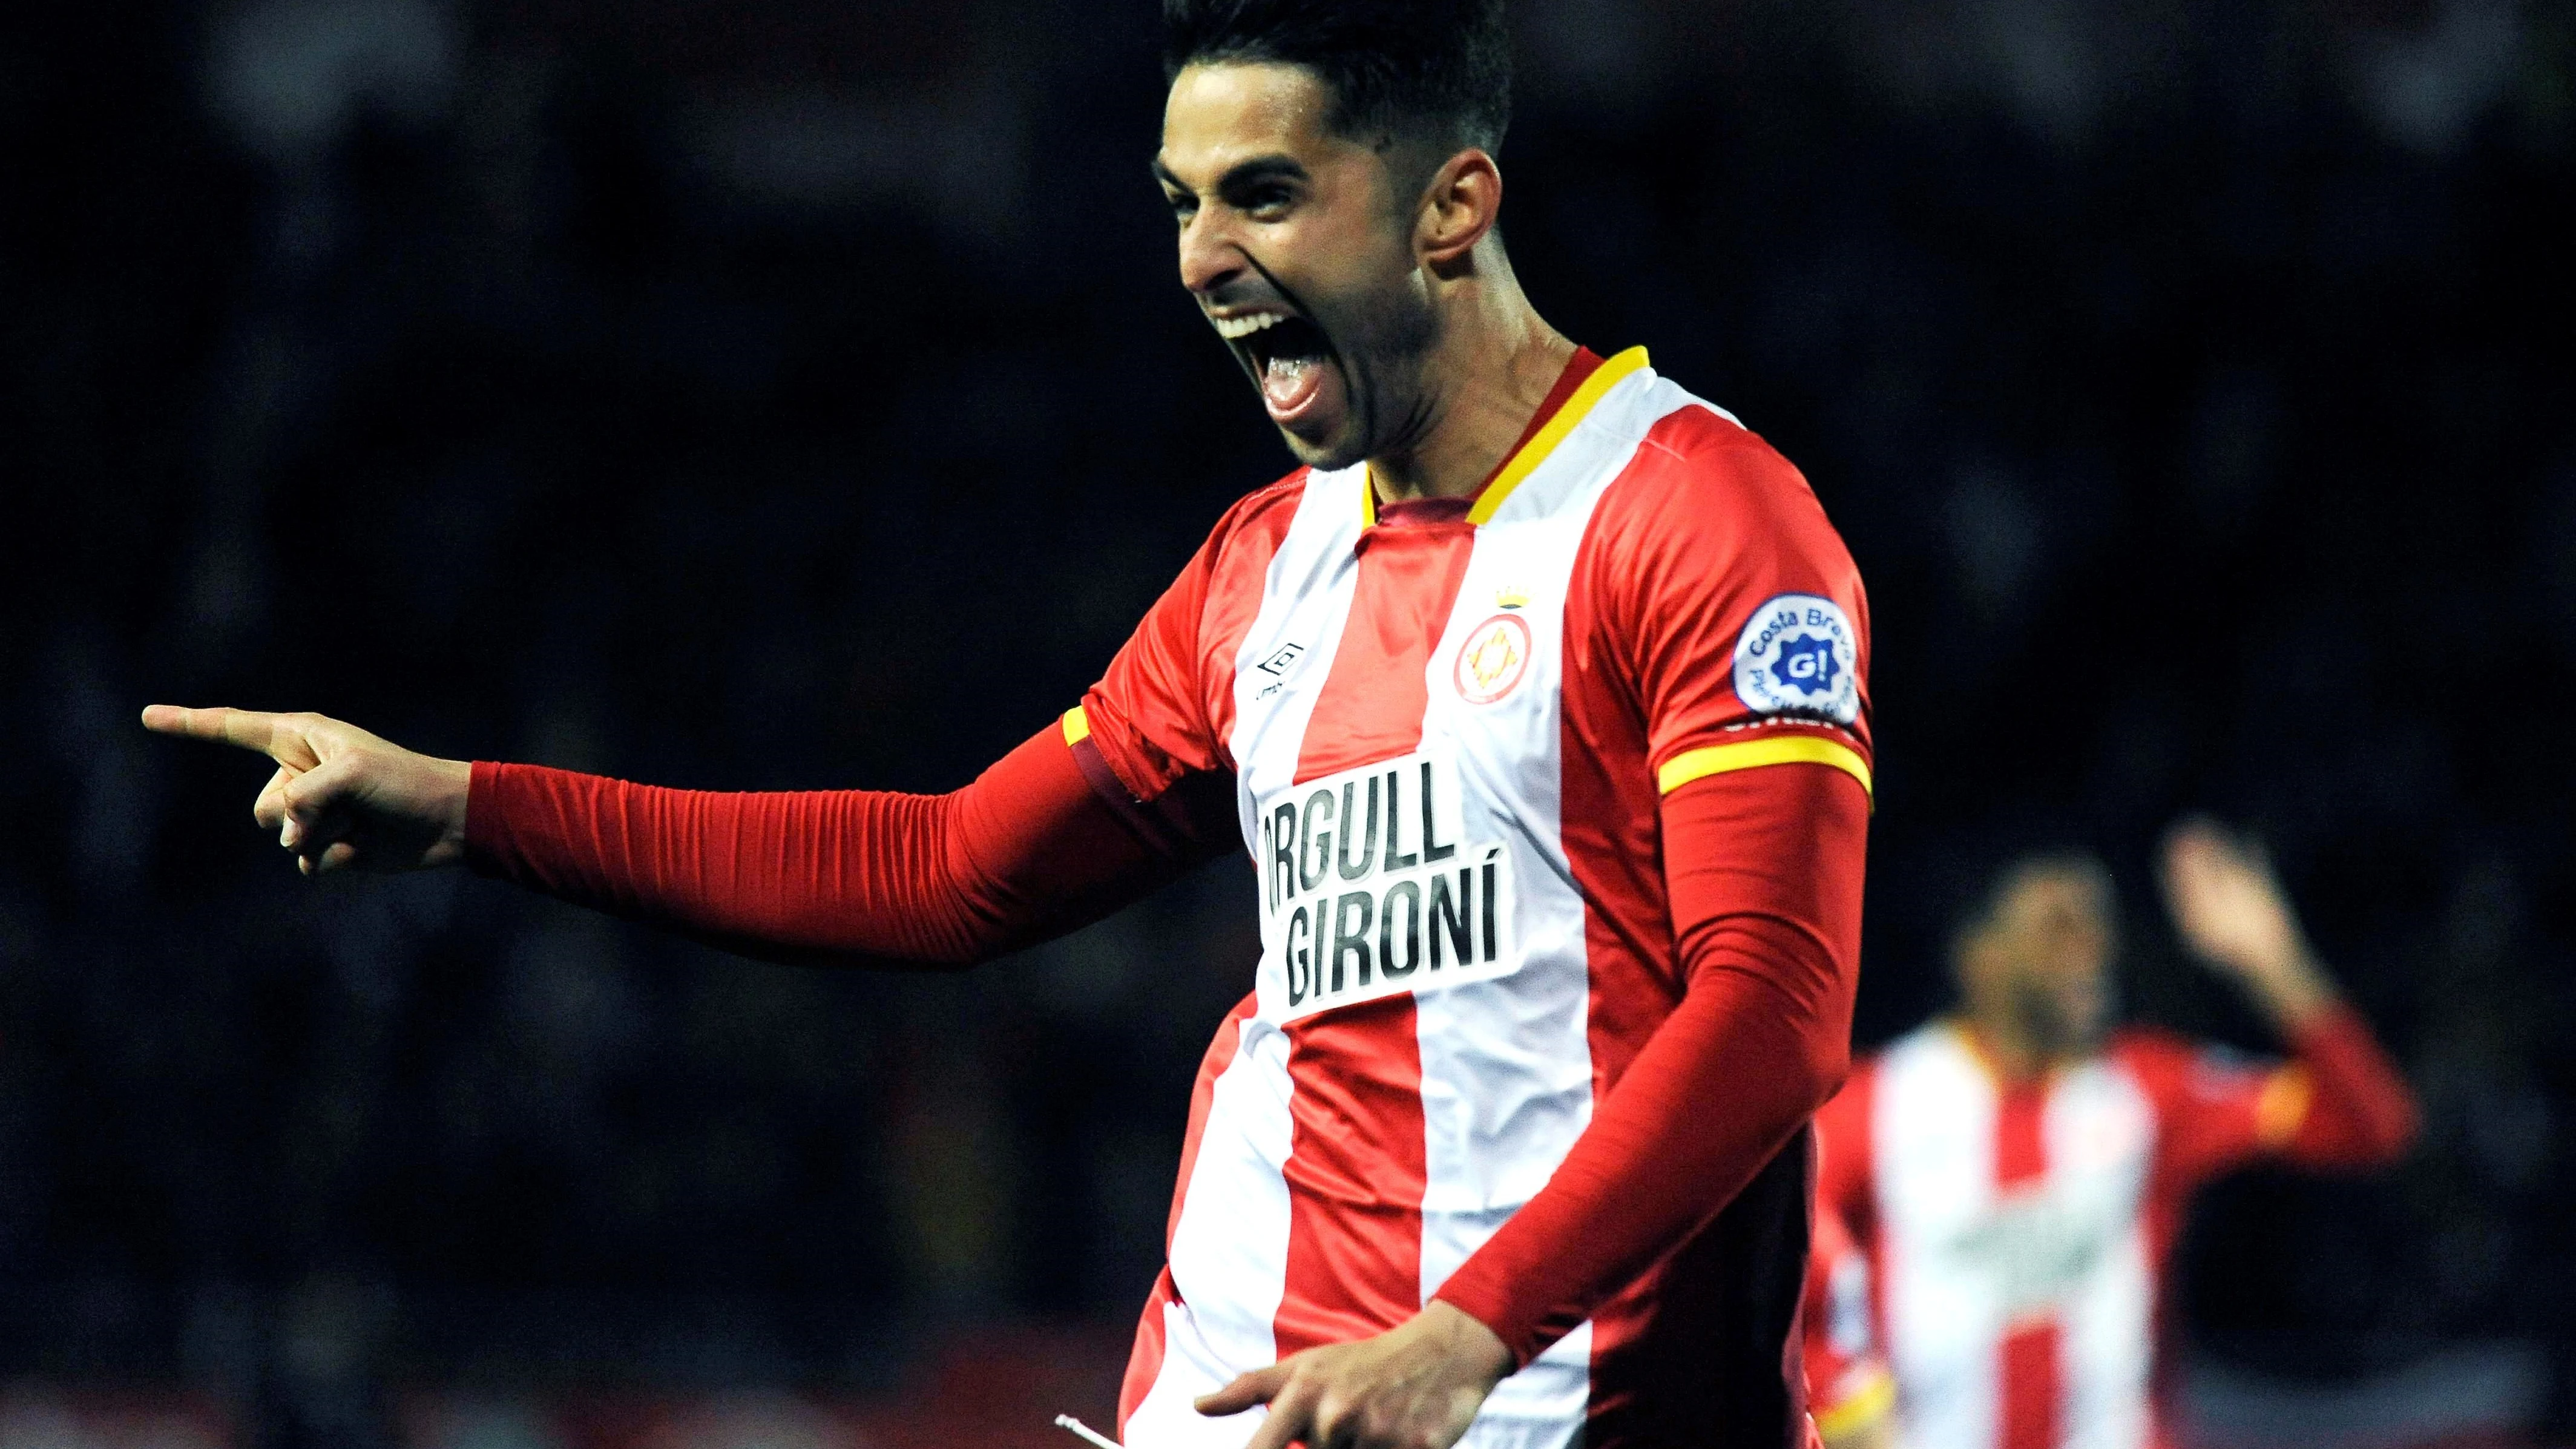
(1536, 696)
(2017, 1177)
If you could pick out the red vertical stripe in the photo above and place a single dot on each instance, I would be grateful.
(1355, 1175)
(2028, 1393)
(1356, 1170)
(1372, 702)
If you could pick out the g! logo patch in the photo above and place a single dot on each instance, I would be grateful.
(1796, 656)
(1493, 659)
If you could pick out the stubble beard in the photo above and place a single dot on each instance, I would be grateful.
(1381, 349)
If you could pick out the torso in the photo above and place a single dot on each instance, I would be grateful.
(1449, 803)
(2014, 1250)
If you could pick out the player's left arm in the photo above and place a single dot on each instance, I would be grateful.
(1735, 621)
(2340, 1101)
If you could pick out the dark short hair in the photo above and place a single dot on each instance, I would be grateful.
(1437, 71)
(2004, 882)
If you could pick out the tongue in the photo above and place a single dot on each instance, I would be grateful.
(1289, 383)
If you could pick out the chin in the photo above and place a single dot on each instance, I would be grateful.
(1341, 448)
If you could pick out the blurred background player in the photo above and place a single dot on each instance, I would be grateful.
(2018, 1176)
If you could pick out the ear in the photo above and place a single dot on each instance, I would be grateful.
(1458, 208)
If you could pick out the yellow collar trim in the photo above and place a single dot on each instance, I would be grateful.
(1608, 375)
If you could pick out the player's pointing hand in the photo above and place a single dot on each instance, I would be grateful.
(341, 797)
(1416, 1386)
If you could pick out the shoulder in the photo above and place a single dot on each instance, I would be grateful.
(1697, 462)
(1703, 498)
(1933, 1067)
(1260, 518)
(2174, 1068)
(2153, 1051)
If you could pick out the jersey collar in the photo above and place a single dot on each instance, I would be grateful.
(1546, 431)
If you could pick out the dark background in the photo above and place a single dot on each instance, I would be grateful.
(790, 393)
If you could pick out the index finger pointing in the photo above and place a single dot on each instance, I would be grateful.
(249, 728)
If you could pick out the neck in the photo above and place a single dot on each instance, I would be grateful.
(2011, 1052)
(1495, 362)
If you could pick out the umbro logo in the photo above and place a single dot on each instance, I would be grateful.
(1276, 666)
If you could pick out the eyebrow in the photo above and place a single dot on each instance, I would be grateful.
(1241, 173)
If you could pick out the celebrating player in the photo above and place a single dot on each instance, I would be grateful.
(1537, 697)
(2018, 1179)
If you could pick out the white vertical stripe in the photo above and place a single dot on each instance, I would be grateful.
(1230, 1248)
(1932, 1134)
(2100, 1134)
(1305, 601)
(1164, 1418)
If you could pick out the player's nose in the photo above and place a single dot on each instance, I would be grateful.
(1211, 257)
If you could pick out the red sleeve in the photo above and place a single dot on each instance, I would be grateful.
(2339, 1103)
(1743, 619)
(1764, 868)
(1028, 851)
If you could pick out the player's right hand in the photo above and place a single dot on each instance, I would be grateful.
(2232, 913)
(341, 797)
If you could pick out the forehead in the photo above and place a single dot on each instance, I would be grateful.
(2054, 898)
(1222, 114)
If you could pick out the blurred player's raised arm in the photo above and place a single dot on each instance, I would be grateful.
(2340, 1102)
(1042, 842)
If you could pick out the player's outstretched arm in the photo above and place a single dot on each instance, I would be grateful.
(341, 798)
(2342, 1103)
(1027, 851)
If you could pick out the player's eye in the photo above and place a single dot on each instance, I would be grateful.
(1267, 201)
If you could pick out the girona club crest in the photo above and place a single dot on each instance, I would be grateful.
(1493, 659)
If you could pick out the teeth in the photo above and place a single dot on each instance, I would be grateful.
(1233, 328)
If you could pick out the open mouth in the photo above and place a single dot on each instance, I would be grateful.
(1286, 355)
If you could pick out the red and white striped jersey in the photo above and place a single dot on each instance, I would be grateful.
(1448, 728)
(2017, 1231)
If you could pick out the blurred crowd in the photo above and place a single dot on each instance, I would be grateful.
(796, 394)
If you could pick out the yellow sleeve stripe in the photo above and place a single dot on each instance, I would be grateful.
(1860, 1408)
(1691, 765)
(1525, 462)
(2283, 1106)
(1077, 726)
